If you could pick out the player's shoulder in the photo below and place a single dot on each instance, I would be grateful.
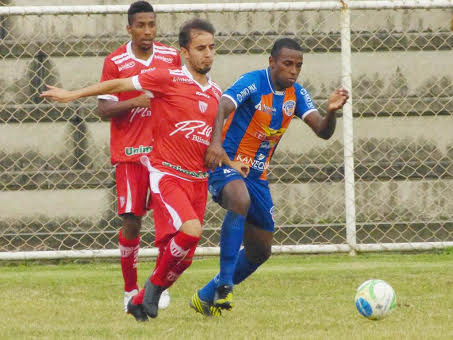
(169, 72)
(257, 75)
(160, 48)
(118, 54)
(215, 86)
(253, 79)
(174, 75)
(300, 90)
(302, 95)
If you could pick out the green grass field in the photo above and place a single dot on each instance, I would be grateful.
(290, 297)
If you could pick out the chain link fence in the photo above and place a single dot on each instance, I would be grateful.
(57, 188)
(403, 101)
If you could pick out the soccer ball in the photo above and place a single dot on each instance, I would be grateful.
(375, 299)
(164, 300)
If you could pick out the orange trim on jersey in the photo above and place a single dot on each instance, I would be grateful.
(256, 132)
(227, 124)
(287, 115)
(250, 142)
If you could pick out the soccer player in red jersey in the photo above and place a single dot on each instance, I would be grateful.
(184, 105)
(130, 132)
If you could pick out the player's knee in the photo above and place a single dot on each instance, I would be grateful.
(131, 226)
(192, 228)
(241, 205)
(235, 197)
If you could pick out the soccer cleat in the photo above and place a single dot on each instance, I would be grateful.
(128, 296)
(203, 307)
(223, 297)
(136, 311)
(151, 298)
(164, 300)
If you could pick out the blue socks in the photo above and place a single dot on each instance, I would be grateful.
(231, 237)
(234, 267)
(230, 242)
(244, 268)
(207, 292)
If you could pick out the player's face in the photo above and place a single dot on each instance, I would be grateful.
(199, 54)
(285, 68)
(143, 30)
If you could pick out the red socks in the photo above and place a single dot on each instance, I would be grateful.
(129, 257)
(137, 299)
(181, 266)
(172, 261)
(168, 268)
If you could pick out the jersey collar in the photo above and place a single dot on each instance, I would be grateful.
(269, 81)
(141, 61)
(203, 88)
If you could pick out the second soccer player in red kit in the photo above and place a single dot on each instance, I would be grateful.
(184, 105)
(130, 132)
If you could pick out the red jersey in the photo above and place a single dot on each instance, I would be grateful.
(130, 134)
(183, 117)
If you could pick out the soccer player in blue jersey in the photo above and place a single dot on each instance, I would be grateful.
(259, 107)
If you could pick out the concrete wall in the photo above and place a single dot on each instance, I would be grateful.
(415, 84)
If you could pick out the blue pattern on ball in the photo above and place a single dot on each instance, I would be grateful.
(364, 307)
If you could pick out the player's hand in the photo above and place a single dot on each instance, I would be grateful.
(214, 155)
(141, 101)
(241, 168)
(337, 99)
(58, 95)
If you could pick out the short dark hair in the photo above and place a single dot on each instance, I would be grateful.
(138, 7)
(282, 43)
(194, 24)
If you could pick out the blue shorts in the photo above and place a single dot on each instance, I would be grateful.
(261, 212)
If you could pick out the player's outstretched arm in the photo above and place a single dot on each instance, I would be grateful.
(106, 87)
(109, 108)
(324, 127)
(215, 153)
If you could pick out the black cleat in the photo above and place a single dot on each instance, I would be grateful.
(151, 298)
(137, 311)
(223, 297)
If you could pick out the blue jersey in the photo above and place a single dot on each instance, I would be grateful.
(260, 119)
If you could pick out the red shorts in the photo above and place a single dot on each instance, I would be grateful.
(175, 201)
(132, 182)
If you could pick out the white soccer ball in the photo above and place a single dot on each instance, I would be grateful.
(375, 299)
(164, 300)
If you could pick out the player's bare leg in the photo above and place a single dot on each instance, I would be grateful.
(257, 244)
(235, 197)
(131, 226)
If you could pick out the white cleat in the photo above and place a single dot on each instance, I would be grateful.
(164, 300)
(128, 296)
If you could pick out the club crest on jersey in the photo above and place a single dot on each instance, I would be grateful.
(288, 107)
(202, 106)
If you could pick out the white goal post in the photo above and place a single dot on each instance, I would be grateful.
(383, 184)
